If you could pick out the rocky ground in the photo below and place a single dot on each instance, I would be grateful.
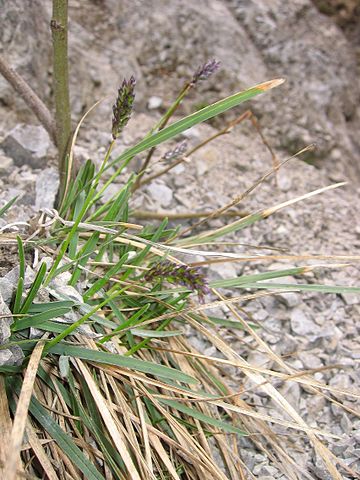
(255, 41)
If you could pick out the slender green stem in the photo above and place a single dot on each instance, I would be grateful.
(161, 124)
(106, 159)
(170, 112)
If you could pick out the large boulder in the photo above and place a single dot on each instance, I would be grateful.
(255, 40)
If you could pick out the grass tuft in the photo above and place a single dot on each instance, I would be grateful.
(110, 385)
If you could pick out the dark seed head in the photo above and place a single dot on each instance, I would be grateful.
(123, 106)
(205, 71)
(190, 277)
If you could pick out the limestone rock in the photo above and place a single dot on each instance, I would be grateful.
(47, 185)
(5, 164)
(27, 144)
(160, 193)
(5, 322)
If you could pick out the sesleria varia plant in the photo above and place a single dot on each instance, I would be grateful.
(107, 385)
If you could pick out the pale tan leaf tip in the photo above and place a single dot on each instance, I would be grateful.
(270, 84)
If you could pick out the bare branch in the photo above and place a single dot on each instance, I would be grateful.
(30, 98)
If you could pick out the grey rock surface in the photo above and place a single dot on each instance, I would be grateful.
(27, 145)
(47, 185)
(5, 164)
(5, 321)
(160, 193)
(12, 356)
(255, 41)
(302, 324)
(6, 289)
(323, 88)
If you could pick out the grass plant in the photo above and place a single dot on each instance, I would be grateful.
(110, 387)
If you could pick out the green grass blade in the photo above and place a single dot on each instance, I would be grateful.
(245, 279)
(141, 332)
(53, 327)
(39, 318)
(7, 205)
(260, 215)
(71, 328)
(121, 361)
(83, 256)
(82, 183)
(191, 412)
(34, 288)
(20, 284)
(200, 116)
(101, 282)
(92, 420)
(73, 231)
(43, 307)
(65, 442)
(185, 123)
(21, 256)
(73, 245)
(18, 295)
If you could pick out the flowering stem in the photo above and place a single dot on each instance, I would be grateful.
(162, 123)
(202, 73)
(190, 152)
(104, 162)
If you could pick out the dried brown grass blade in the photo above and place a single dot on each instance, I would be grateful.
(109, 421)
(17, 432)
(40, 453)
(320, 448)
(5, 425)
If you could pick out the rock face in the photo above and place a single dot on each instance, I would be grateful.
(320, 101)
(25, 42)
(27, 145)
(255, 41)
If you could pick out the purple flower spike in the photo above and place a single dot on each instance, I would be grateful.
(123, 106)
(189, 277)
(205, 71)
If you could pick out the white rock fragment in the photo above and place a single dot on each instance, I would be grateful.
(154, 103)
